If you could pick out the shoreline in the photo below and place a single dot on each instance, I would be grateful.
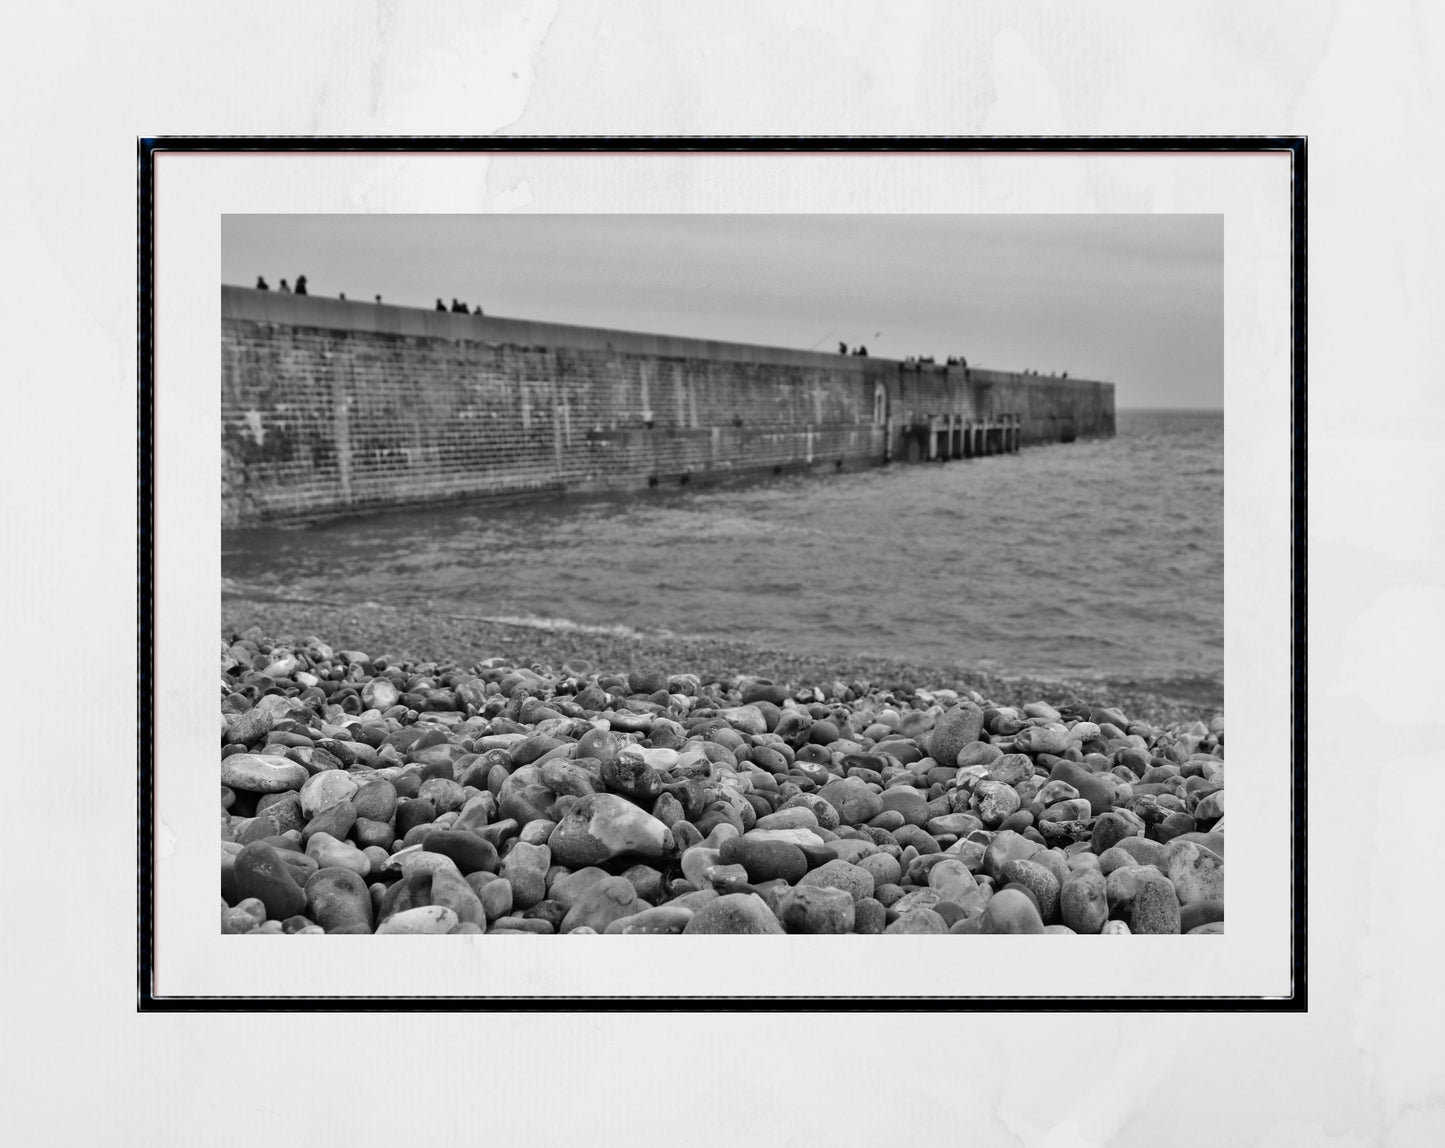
(416, 635)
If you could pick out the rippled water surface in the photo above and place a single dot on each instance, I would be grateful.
(1092, 559)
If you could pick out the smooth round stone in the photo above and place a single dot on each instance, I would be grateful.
(1115, 929)
(814, 909)
(1197, 874)
(953, 731)
(919, 921)
(1091, 786)
(262, 773)
(1052, 792)
(854, 802)
(608, 900)
(869, 917)
(826, 815)
(633, 777)
(602, 826)
(329, 853)
(1174, 824)
(328, 788)
(1083, 902)
(695, 899)
(1154, 907)
(535, 926)
(734, 913)
(567, 887)
(920, 840)
(883, 867)
(996, 802)
(449, 888)
(470, 852)
(1198, 913)
(525, 869)
(1113, 827)
(1144, 851)
(248, 915)
(1116, 858)
(977, 753)
(494, 893)
(764, 860)
(665, 920)
(695, 862)
(411, 812)
(953, 881)
(762, 690)
(1007, 846)
(1123, 884)
(1036, 739)
(336, 820)
(858, 882)
(537, 832)
(368, 833)
(415, 859)
(338, 898)
(1040, 881)
(913, 900)
(890, 820)
(1209, 927)
(263, 874)
(444, 794)
(284, 809)
(1011, 769)
(434, 919)
(957, 824)
(1010, 911)
(909, 802)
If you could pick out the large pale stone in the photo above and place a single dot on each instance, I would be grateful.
(262, 773)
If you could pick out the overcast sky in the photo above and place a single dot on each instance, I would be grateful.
(1136, 300)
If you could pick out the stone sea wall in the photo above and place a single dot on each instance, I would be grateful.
(332, 407)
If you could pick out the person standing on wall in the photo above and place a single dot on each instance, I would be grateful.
(261, 284)
(301, 285)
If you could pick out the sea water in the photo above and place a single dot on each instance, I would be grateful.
(1099, 559)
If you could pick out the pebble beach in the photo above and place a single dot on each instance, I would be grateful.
(387, 771)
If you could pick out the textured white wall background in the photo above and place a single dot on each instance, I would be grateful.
(80, 81)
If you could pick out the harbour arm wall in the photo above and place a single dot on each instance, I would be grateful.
(331, 407)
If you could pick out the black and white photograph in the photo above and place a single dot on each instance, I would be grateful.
(741, 574)
(762, 674)
(856, 578)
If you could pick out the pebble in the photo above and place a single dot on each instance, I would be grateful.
(591, 802)
(816, 909)
(734, 913)
(262, 773)
(263, 875)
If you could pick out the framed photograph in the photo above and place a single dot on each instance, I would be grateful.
(819, 568)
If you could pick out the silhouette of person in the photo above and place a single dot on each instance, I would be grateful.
(261, 284)
(284, 287)
(342, 295)
(378, 298)
(441, 306)
(478, 311)
(301, 285)
(863, 351)
(457, 307)
(842, 348)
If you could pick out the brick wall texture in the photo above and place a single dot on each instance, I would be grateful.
(318, 421)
